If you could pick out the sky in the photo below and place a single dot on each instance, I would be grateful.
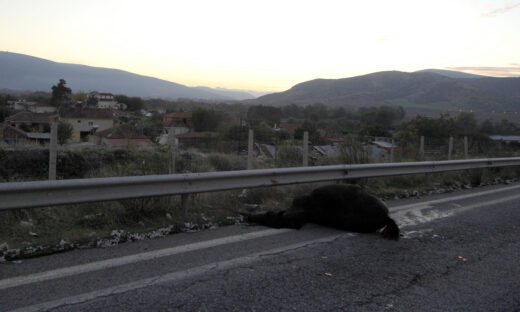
(267, 45)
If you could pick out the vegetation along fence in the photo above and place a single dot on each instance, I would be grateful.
(15, 195)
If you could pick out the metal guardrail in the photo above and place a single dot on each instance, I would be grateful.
(17, 195)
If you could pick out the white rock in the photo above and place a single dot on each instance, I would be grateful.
(26, 224)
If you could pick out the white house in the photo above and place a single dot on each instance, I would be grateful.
(86, 121)
(106, 100)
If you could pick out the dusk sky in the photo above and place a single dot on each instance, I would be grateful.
(267, 45)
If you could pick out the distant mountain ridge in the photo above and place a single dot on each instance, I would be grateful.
(451, 73)
(27, 73)
(424, 92)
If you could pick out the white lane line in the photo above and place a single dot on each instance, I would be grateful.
(428, 204)
(114, 262)
(171, 277)
(416, 215)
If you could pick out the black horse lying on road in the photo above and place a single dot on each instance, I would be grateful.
(341, 206)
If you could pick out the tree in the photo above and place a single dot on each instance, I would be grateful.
(292, 111)
(80, 97)
(466, 124)
(314, 135)
(258, 113)
(382, 117)
(437, 130)
(64, 131)
(5, 111)
(316, 111)
(92, 101)
(61, 95)
(206, 119)
(264, 134)
(487, 127)
(132, 103)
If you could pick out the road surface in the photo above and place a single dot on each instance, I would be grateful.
(459, 252)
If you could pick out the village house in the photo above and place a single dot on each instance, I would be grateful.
(158, 110)
(122, 136)
(382, 150)
(33, 107)
(12, 135)
(106, 100)
(31, 122)
(204, 139)
(290, 127)
(87, 121)
(265, 150)
(177, 123)
(24, 126)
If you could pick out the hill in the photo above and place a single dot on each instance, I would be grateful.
(421, 92)
(21, 72)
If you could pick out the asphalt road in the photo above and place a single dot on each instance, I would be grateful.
(459, 252)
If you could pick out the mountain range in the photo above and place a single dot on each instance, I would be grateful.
(428, 92)
(19, 72)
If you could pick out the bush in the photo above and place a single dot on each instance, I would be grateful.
(220, 162)
(289, 156)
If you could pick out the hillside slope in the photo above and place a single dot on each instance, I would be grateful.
(26, 73)
(418, 92)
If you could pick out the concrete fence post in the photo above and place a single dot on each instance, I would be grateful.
(53, 147)
(250, 149)
(450, 148)
(171, 139)
(392, 152)
(305, 148)
(421, 148)
(466, 147)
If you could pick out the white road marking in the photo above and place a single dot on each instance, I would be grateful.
(428, 204)
(171, 277)
(114, 262)
(409, 215)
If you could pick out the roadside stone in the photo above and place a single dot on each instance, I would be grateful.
(26, 224)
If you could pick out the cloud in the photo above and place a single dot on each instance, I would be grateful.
(500, 11)
(490, 71)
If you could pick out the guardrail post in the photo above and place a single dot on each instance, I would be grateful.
(250, 150)
(450, 148)
(427, 179)
(305, 148)
(53, 146)
(184, 203)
